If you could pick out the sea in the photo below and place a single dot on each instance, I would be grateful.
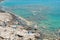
(45, 13)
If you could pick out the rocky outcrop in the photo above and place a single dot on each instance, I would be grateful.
(14, 28)
(10, 33)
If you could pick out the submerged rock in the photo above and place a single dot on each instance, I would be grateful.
(1, 0)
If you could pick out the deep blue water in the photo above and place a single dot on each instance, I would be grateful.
(49, 9)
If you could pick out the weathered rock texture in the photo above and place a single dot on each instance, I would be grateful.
(14, 28)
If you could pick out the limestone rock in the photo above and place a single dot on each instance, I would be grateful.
(5, 17)
(11, 33)
(14, 31)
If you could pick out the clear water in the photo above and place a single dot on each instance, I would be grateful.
(47, 12)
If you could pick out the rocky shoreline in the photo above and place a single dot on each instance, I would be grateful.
(13, 27)
(16, 28)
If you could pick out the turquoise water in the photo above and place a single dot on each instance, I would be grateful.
(47, 12)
